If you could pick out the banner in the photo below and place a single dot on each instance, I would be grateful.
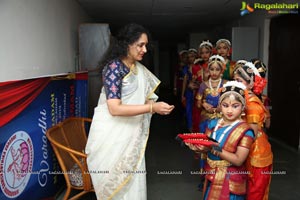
(28, 108)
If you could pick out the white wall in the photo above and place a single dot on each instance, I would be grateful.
(257, 20)
(38, 37)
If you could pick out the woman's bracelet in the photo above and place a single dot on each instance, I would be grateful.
(151, 108)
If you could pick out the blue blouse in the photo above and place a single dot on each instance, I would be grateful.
(211, 125)
(112, 76)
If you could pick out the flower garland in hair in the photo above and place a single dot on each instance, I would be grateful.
(259, 82)
(236, 84)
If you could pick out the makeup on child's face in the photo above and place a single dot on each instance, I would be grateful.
(184, 58)
(231, 108)
(191, 57)
(205, 53)
(215, 71)
(222, 50)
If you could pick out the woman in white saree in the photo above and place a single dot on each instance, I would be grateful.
(120, 128)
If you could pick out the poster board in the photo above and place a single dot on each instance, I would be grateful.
(28, 164)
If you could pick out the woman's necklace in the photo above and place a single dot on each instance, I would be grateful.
(132, 67)
(221, 121)
(214, 91)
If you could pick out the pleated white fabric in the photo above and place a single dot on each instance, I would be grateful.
(116, 144)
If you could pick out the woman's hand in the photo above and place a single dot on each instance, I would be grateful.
(162, 108)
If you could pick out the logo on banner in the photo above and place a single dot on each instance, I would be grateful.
(16, 164)
(246, 8)
(271, 8)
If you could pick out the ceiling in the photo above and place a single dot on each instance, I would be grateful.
(165, 19)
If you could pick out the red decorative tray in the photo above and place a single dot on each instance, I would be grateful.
(184, 136)
(204, 142)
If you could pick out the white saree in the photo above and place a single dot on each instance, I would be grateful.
(116, 144)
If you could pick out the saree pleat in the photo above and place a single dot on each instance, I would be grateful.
(116, 144)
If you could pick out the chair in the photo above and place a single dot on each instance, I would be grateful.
(68, 139)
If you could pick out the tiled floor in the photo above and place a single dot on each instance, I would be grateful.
(171, 167)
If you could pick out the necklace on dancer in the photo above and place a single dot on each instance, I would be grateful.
(214, 91)
(225, 131)
(214, 81)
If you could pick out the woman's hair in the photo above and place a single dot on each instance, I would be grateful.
(126, 36)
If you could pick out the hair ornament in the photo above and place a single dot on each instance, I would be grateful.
(259, 84)
(234, 84)
(193, 50)
(260, 66)
(197, 60)
(182, 52)
(227, 42)
(233, 87)
(206, 43)
(252, 68)
(216, 57)
(241, 62)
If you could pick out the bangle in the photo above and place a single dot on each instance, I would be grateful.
(216, 153)
(216, 150)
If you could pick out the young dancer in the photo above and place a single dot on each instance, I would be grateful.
(262, 70)
(260, 160)
(207, 99)
(178, 72)
(225, 173)
(188, 87)
(205, 52)
(223, 47)
(208, 93)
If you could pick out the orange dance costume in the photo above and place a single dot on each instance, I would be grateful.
(260, 160)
